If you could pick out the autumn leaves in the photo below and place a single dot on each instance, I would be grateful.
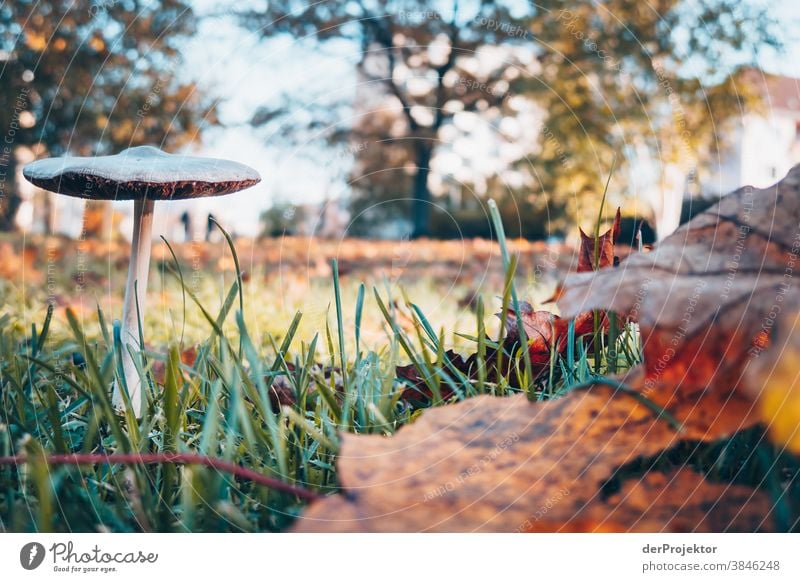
(716, 302)
(720, 357)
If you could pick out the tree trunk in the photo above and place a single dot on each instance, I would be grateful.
(10, 199)
(421, 195)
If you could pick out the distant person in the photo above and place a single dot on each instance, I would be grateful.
(186, 220)
(209, 226)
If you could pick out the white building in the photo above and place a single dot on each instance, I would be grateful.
(758, 148)
(764, 144)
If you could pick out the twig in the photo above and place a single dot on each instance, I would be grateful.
(177, 458)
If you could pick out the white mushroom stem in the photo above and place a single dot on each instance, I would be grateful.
(138, 270)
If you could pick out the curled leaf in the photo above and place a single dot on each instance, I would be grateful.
(492, 464)
(605, 252)
(708, 297)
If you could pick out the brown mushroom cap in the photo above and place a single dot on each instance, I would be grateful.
(138, 173)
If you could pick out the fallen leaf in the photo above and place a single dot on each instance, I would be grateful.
(680, 501)
(605, 254)
(281, 393)
(547, 331)
(417, 391)
(708, 296)
(541, 328)
(773, 379)
(492, 464)
(188, 358)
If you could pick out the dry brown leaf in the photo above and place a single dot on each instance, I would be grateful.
(605, 256)
(492, 464)
(545, 330)
(708, 296)
(418, 390)
(774, 379)
(188, 358)
(681, 501)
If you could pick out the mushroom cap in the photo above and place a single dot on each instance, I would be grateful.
(138, 173)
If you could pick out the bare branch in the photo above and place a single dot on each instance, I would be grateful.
(174, 458)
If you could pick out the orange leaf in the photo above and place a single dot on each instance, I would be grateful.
(586, 259)
(188, 358)
(546, 331)
(496, 464)
(711, 296)
(680, 501)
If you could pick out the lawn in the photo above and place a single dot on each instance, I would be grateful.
(215, 365)
(253, 380)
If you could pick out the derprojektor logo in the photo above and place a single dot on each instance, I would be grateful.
(31, 555)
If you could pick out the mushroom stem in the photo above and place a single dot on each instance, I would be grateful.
(138, 270)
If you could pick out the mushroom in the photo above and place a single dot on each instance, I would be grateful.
(145, 175)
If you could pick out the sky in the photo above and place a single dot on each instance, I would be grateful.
(245, 72)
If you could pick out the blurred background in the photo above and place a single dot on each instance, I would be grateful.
(399, 119)
(391, 120)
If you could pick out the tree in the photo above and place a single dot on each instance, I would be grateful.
(604, 77)
(417, 56)
(661, 78)
(91, 78)
(282, 218)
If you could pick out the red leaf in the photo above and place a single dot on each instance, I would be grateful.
(586, 260)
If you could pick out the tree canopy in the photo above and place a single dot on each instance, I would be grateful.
(608, 79)
(94, 77)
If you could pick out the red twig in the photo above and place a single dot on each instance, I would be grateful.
(179, 458)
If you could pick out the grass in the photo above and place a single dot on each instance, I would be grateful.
(281, 276)
(221, 454)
